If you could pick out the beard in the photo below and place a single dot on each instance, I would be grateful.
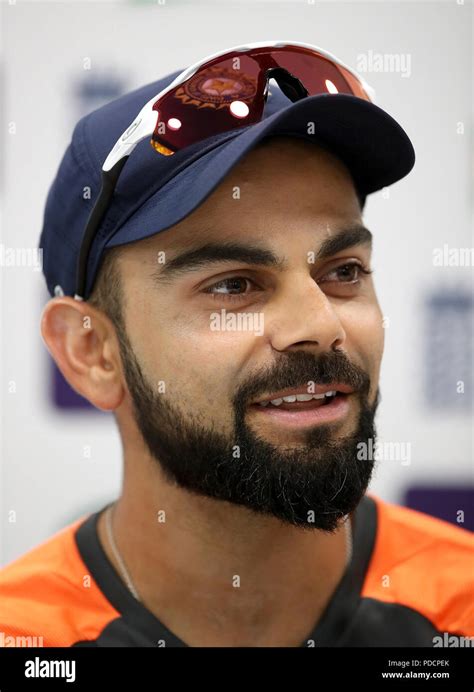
(313, 485)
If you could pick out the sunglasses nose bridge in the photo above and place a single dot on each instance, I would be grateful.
(288, 83)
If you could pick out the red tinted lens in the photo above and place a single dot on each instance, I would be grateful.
(223, 95)
(317, 73)
(228, 92)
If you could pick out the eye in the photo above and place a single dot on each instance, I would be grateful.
(348, 273)
(235, 284)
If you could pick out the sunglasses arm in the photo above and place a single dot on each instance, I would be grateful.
(143, 126)
(109, 181)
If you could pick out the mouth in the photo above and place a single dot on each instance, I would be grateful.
(302, 408)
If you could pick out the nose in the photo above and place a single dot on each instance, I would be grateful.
(304, 316)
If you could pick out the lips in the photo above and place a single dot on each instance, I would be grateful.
(298, 396)
(302, 415)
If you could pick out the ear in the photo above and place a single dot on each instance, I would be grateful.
(83, 342)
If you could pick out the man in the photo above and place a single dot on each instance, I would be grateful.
(230, 322)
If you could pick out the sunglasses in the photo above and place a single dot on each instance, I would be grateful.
(219, 94)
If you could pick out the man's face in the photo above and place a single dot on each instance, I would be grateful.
(207, 337)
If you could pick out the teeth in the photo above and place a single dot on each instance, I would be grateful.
(290, 399)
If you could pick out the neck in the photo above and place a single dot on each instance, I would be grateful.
(218, 574)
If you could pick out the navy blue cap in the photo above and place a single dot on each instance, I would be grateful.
(155, 192)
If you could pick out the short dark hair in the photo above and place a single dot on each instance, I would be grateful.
(107, 293)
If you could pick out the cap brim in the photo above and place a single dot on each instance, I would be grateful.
(368, 140)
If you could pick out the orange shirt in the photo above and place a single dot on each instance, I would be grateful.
(410, 583)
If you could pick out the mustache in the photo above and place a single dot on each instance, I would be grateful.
(300, 367)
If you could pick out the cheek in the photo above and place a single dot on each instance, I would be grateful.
(197, 364)
(365, 337)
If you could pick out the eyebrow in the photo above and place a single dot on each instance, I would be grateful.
(218, 253)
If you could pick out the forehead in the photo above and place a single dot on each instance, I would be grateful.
(283, 187)
(285, 174)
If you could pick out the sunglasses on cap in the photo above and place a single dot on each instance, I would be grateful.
(219, 94)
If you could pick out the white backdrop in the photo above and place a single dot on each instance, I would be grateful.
(61, 59)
